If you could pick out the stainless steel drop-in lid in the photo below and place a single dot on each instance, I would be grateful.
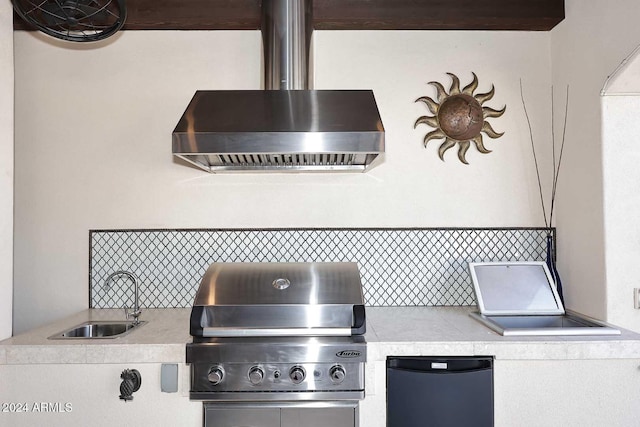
(279, 299)
(515, 288)
(519, 298)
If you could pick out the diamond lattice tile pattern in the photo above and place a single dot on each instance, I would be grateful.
(399, 267)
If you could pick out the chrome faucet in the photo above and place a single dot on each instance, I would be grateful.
(136, 307)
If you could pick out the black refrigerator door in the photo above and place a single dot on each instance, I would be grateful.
(439, 391)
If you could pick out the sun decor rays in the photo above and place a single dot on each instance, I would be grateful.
(459, 117)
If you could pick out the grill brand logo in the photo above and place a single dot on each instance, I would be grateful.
(348, 353)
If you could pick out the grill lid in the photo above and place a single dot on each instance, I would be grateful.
(279, 299)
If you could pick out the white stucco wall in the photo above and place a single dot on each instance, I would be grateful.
(93, 132)
(586, 47)
(621, 157)
(6, 168)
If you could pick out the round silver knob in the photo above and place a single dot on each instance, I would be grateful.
(215, 376)
(256, 375)
(337, 374)
(297, 374)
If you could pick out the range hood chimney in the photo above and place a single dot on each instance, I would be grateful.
(287, 127)
(286, 39)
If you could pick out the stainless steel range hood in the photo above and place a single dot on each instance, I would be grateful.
(287, 127)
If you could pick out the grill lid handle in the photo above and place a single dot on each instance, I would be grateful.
(359, 323)
(209, 332)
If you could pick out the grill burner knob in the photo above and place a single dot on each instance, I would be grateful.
(337, 374)
(297, 374)
(256, 375)
(215, 375)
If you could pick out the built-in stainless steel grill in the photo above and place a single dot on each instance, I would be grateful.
(278, 332)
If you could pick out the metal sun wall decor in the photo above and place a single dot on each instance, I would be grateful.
(459, 117)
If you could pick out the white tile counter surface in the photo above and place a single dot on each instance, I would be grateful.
(442, 331)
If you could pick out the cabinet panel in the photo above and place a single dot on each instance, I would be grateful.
(246, 417)
(272, 415)
(78, 395)
(586, 393)
(319, 417)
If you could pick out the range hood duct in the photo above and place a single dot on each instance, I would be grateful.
(287, 127)
(286, 39)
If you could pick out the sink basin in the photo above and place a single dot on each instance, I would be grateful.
(97, 330)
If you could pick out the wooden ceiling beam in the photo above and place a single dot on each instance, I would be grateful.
(523, 15)
(516, 15)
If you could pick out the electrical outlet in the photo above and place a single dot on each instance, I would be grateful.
(636, 298)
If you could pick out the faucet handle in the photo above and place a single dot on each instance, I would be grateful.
(133, 313)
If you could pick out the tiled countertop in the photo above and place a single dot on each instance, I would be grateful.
(390, 331)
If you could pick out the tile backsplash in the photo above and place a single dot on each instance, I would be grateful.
(398, 266)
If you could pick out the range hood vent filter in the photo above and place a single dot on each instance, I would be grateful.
(300, 161)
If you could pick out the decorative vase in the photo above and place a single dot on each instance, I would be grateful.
(551, 264)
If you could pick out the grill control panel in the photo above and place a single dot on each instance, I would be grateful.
(230, 377)
(277, 369)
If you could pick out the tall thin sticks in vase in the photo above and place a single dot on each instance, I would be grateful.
(557, 162)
